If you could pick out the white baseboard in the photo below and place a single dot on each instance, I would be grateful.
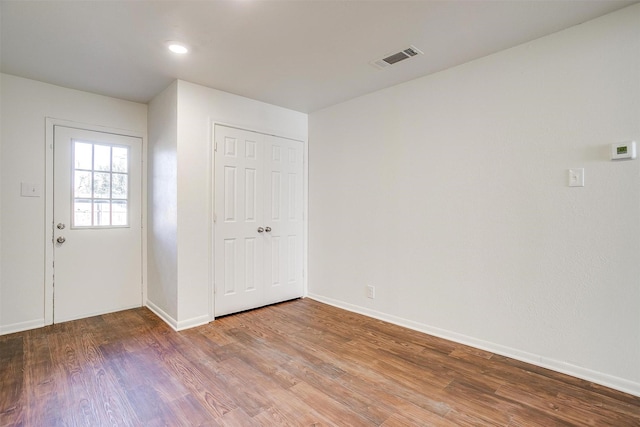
(21, 326)
(193, 322)
(177, 325)
(162, 315)
(606, 380)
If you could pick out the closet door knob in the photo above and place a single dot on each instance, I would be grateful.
(260, 229)
(268, 229)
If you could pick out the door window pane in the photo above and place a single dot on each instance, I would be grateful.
(102, 157)
(120, 162)
(119, 186)
(83, 156)
(101, 212)
(119, 213)
(100, 185)
(82, 213)
(82, 184)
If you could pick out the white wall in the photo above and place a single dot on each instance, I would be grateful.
(162, 263)
(24, 106)
(179, 187)
(1, 207)
(198, 107)
(449, 194)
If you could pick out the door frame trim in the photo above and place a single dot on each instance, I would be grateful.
(50, 124)
(211, 192)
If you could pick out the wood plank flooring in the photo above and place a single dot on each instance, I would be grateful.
(299, 363)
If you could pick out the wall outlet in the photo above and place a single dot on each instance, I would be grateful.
(371, 291)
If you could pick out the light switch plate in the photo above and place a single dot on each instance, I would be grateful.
(30, 190)
(576, 177)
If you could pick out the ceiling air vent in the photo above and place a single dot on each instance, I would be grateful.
(394, 58)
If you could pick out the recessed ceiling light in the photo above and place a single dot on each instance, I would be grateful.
(176, 47)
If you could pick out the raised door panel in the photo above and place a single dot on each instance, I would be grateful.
(284, 207)
(238, 247)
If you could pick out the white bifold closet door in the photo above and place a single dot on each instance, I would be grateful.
(259, 219)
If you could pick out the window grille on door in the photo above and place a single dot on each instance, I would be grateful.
(100, 185)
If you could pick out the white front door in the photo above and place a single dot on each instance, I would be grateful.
(259, 227)
(97, 225)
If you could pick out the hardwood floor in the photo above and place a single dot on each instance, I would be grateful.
(300, 363)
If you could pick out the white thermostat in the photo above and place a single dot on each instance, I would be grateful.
(623, 150)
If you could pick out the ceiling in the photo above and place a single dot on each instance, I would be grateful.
(302, 55)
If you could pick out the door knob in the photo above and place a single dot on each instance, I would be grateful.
(268, 229)
(260, 229)
(61, 240)
(60, 226)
